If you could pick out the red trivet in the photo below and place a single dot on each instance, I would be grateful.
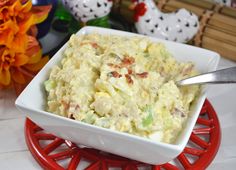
(52, 152)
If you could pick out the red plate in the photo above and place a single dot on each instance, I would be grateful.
(52, 152)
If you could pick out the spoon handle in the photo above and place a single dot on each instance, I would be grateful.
(227, 75)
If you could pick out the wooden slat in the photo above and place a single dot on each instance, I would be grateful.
(178, 4)
(224, 19)
(228, 31)
(219, 35)
(168, 8)
(202, 4)
(226, 50)
(222, 27)
(228, 11)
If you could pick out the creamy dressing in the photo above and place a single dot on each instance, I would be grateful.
(121, 83)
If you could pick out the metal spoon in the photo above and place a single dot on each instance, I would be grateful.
(227, 75)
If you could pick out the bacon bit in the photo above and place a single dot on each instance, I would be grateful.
(130, 71)
(125, 62)
(94, 45)
(129, 79)
(65, 104)
(128, 60)
(116, 74)
(142, 75)
(113, 65)
(69, 105)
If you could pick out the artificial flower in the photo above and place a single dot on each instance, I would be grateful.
(20, 53)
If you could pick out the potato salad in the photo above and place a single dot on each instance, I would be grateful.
(127, 84)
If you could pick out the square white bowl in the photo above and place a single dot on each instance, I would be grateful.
(32, 101)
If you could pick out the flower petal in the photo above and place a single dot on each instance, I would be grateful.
(41, 12)
(7, 58)
(25, 25)
(33, 46)
(7, 32)
(32, 42)
(19, 43)
(5, 77)
(3, 2)
(20, 59)
(18, 7)
(33, 31)
(35, 58)
(37, 66)
(32, 51)
(18, 77)
(4, 14)
(15, 8)
(27, 6)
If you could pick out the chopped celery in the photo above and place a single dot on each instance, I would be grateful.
(49, 84)
(149, 119)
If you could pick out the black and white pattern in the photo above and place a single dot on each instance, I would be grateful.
(85, 10)
(180, 26)
(223, 2)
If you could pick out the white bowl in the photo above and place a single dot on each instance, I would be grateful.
(32, 101)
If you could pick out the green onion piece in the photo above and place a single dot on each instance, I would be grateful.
(149, 119)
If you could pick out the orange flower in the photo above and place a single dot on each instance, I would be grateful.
(3, 2)
(7, 32)
(20, 52)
